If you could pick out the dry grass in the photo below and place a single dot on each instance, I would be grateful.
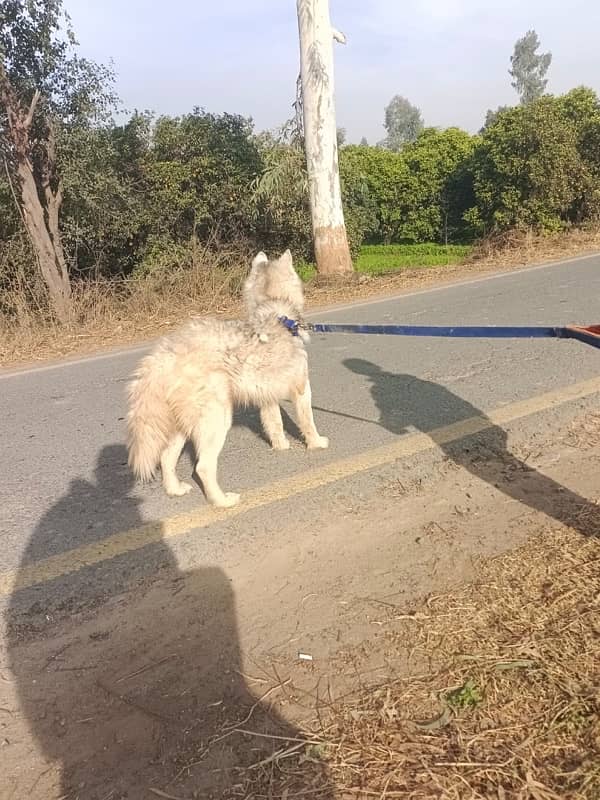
(113, 313)
(109, 314)
(506, 704)
(584, 432)
(516, 248)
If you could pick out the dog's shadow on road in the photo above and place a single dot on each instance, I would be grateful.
(405, 403)
(146, 695)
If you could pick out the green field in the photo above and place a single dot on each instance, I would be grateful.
(378, 259)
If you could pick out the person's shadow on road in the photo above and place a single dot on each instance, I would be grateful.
(146, 696)
(405, 402)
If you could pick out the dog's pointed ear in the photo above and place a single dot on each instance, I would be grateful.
(286, 259)
(259, 258)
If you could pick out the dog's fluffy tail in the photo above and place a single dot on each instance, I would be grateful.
(149, 421)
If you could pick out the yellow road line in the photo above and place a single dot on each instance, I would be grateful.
(128, 541)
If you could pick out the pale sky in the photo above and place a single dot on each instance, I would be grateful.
(449, 57)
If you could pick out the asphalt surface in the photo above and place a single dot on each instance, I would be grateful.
(64, 480)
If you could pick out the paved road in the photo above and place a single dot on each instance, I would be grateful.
(64, 481)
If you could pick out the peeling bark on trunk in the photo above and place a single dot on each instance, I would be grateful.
(39, 202)
(320, 136)
(40, 227)
(331, 250)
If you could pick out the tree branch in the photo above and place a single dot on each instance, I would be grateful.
(338, 36)
(31, 112)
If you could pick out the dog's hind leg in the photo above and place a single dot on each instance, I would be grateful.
(168, 462)
(209, 436)
(270, 416)
(303, 403)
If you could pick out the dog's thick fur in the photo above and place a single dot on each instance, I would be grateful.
(188, 386)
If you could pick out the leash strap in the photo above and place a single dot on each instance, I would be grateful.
(588, 335)
(471, 332)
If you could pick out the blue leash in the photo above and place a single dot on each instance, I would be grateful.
(588, 335)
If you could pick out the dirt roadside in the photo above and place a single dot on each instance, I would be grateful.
(202, 682)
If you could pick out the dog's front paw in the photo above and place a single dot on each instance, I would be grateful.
(228, 500)
(281, 444)
(318, 443)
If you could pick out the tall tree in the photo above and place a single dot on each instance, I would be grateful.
(527, 170)
(529, 68)
(492, 115)
(332, 253)
(44, 88)
(403, 123)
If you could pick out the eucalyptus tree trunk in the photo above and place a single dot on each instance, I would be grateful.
(320, 137)
(38, 199)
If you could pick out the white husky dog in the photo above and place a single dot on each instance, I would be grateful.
(188, 386)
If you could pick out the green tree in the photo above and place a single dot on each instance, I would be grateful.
(492, 115)
(403, 123)
(581, 106)
(590, 201)
(441, 187)
(105, 217)
(529, 68)
(527, 170)
(375, 180)
(416, 195)
(45, 90)
(199, 169)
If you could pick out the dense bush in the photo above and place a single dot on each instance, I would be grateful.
(375, 180)
(537, 165)
(415, 195)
